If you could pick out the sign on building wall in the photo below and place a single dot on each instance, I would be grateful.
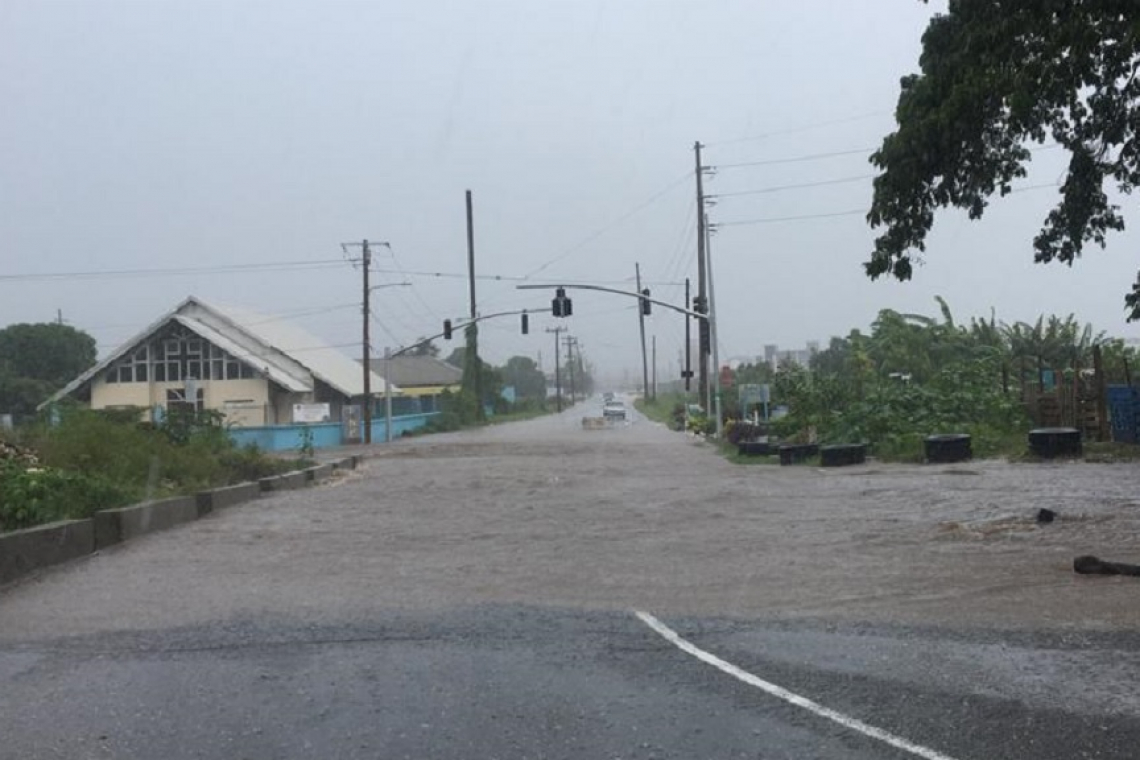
(311, 413)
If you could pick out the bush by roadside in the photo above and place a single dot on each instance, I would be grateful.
(91, 460)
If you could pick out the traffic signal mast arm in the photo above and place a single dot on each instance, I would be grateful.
(460, 326)
(630, 293)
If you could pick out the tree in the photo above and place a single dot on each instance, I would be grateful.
(523, 373)
(996, 75)
(38, 359)
(423, 348)
(457, 357)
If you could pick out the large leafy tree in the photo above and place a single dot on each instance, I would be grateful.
(997, 76)
(38, 359)
(523, 373)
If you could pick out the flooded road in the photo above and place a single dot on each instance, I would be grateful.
(484, 584)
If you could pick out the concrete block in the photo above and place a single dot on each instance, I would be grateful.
(23, 551)
(228, 496)
(320, 472)
(286, 482)
(115, 525)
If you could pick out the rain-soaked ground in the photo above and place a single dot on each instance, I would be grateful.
(472, 594)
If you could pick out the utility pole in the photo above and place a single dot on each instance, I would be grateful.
(688, 372)
(557, 365)
(654, 386)
(641, 325)
(59, 316)
(570, 367)
(366, 343)
(366, 346)
(712, 332)
(702, 287)
(472, 333)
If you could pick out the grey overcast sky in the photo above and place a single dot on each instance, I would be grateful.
(163, 134)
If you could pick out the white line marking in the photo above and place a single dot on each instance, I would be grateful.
(778, 691)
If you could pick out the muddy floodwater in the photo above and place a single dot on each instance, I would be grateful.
(629, 517)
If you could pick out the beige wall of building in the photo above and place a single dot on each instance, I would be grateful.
(244, 402)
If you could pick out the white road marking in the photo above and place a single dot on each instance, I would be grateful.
(778, 691)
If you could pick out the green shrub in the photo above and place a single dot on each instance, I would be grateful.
(35, 496)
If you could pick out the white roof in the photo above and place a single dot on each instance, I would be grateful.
(327, 363)
(288, 355)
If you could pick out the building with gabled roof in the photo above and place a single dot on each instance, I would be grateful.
(257, 370)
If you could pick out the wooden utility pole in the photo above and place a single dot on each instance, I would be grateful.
(654, 386)
(366, 412)
(702, 285)
(641, 325)
(471, 359)
(557, 363)
(688, 373)
(570, 367)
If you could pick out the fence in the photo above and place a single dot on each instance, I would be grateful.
(323, 434)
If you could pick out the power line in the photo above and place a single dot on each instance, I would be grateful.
(775, 219)
(291, 266)
(796, 159)
(781, 188)
(802, 128)
(852, 212)
(603, 230)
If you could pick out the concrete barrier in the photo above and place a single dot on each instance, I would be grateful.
(320, 472)
(220, 498)
(286, 482)
(115, 525)
(23, 551)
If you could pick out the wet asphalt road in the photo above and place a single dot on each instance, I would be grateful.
(275, 631)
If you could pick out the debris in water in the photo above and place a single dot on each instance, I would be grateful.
(1045, 515)
(1089, 565)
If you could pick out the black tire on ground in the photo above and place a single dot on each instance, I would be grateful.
(843, 454)
(948, 447)
(754, 448)
(1049, 443)
(794, 453)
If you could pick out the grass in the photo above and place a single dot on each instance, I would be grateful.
(661, 408)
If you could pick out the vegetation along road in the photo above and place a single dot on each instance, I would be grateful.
(543, 591)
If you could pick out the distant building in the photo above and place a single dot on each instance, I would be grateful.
(421, 380)
(774, 357)
(256, 370)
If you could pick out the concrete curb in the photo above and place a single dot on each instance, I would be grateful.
(227, 496)
(115, 525)
(23, 551)
(320, 472)
(286, 482)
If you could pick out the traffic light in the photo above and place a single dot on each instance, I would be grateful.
(706, 337)
(525, 323)
(561, 306)
(646, 305)
(699, 305)
(447, 329)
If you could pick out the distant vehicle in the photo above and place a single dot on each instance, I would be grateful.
(608, 397)
(614, 410)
